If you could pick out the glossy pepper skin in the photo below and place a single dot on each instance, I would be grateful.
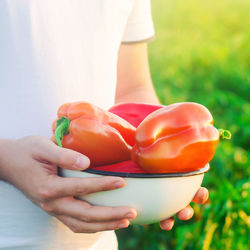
(102, 136)
(177, 138)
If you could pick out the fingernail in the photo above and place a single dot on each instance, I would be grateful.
(206, 197)
(188, 213)
(168, 225)
(123, 225)
(118, 184)
(82, 162)
(130, 215)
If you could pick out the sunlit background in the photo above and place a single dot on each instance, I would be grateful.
(202, 53)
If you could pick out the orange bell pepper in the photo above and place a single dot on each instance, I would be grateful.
(176, 138)
(102, 136)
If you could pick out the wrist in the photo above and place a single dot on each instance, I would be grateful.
(4, 158)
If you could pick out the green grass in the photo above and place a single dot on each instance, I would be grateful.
(202, 54)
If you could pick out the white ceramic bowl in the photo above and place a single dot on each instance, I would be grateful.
(154, 196)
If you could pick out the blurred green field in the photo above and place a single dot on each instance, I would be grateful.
(202, 54)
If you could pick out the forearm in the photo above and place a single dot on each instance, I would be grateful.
(134, 82)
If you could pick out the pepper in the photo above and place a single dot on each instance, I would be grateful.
(134, 112)
(102, 136)
(176, 138)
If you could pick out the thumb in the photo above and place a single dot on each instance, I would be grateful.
(64, 157)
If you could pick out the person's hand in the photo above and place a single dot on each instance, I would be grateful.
(31, 163)
(185, 214)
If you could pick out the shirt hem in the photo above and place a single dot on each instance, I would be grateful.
(149, 39)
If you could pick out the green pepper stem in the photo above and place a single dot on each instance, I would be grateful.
(225, 134)
(62, 128)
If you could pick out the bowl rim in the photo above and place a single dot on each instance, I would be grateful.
(149, 175)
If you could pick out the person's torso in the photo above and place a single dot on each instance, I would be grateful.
(51, 52)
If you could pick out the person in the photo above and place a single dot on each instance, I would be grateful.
(53, 52)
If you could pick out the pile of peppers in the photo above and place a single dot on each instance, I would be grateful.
(140, 138)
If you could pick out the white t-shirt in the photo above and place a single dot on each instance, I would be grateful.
(52, 52)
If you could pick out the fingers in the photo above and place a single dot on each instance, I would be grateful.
(186, 213)
(60, 187)
(167, 224)
(83, 211)
(78, 226)
(201, 196)
(63, 157)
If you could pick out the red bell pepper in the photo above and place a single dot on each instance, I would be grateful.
(177, 138)
(102, 136)
(134, 113)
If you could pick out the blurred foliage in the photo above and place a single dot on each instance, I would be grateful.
(202, 53)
